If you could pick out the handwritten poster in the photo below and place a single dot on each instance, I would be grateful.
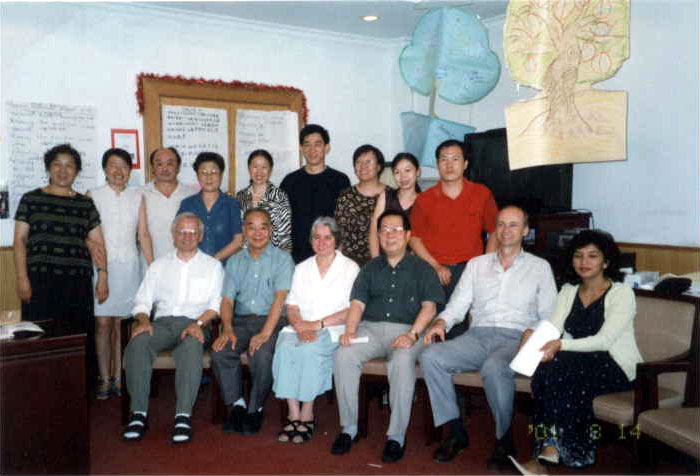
(275, 131)
(32, 129)
(192, 130)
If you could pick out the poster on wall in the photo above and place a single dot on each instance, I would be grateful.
(33, 128)
(275, 131)
(128, 139)
(192, 130)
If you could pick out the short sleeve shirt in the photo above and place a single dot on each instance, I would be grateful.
(58, 227)
(221, 223)
(451, 228)
(396, 294)
(252, 283)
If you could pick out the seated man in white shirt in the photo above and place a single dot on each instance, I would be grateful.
(186, 286)
(507, 292)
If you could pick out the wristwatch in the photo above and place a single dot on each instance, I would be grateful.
(199, 323)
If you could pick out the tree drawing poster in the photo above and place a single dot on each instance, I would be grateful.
(562, 48)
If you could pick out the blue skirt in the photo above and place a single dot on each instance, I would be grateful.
(303, 370)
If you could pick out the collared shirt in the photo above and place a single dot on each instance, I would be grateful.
(161, 211)
(119, 213)
(181, 288)
(451, 228)
(318, 297)
(516, 298)
(396, 294)
(221, 223)
(252, 283)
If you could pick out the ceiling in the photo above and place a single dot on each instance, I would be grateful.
(396, 18)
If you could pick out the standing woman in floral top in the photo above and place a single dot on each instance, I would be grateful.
(261, 193)
(52, 260)
(355, 205)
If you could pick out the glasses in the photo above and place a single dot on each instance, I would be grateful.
(188, 232)
(209, 172)
(390, 229)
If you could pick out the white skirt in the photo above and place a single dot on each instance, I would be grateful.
(123, 280)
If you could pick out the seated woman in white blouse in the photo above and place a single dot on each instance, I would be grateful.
(317, 306)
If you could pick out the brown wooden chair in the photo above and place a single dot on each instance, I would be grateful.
(165, 364)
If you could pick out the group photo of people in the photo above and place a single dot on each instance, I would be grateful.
(305, 281)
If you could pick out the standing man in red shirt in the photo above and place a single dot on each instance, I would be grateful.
(448, 219)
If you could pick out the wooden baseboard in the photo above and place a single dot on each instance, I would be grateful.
(664, 258)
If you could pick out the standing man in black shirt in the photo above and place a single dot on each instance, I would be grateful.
(313, 189)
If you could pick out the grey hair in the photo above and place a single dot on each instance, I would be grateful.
(184, 215)
(331, 224)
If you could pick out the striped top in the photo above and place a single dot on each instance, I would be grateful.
(58, 227)
(277, 205)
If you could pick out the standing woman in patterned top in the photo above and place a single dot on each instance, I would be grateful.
(406, 171)
(54, 267)
(261, 193)
(355, 205)
(123, 213)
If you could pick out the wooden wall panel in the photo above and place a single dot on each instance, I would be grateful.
(8, 293)
(664, 259)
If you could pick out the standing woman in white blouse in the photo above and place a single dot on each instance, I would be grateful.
(123, 216)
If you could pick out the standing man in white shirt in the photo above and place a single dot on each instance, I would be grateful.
(507, 292)
(163, 196)
(186, 286)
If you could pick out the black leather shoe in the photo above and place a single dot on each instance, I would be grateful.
(393, 451)
(252, 422)
(499, 461)
(342, 444)
(450, 448)
(234, 422)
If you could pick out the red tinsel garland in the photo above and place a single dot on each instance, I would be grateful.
(217, 82)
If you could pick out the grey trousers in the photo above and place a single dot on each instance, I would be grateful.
(142, 352)
(488, 350)
(347, 370)
(227, 363)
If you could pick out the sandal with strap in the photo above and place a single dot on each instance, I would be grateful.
(182, 433)
(135, 429)
(289, 431)
(304, 431)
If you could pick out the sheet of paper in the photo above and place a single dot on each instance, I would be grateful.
(529, 356)
(192, 130)
(275, 131)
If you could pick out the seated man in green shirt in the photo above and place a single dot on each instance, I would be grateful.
(256, 284)
(393, 300)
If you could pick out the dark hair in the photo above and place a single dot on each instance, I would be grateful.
(51, 155)
(395, 213)
(203, 157)
(261, 210)
(605, 243)
(526, 216)
(171, 149)
(451, 143)
(409, 157)
(314, 129)
(366, 149)
(121, 153)
(261, 153)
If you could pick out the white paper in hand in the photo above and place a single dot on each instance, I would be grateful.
(529, 356)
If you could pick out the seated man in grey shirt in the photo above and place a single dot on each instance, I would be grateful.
(395, 296)
(507, 292)
(257, 281)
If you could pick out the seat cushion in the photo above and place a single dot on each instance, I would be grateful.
(618, 408)
(677, 427)
(473, 379)
(165, 360)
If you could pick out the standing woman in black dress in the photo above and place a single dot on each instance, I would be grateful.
(53, 264)
(596, 354)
